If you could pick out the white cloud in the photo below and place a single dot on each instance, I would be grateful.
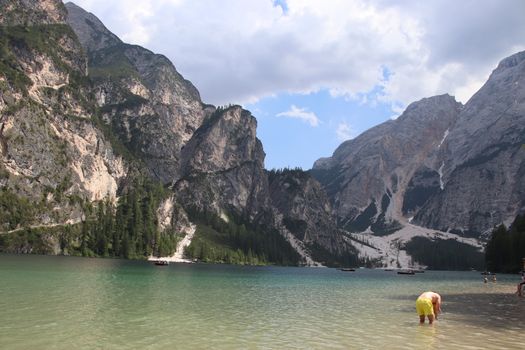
(344, 131)
(302, 114)
(237, 51)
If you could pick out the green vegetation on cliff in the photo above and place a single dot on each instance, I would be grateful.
(127, 230)
(111, 63)
(14, 210)
(237, 242)
(17, 41)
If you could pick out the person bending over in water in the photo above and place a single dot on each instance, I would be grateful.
(428, 304)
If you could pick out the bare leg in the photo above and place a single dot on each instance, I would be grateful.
(422, 319)
(430, 319)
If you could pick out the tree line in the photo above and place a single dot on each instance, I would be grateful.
(444, 254)
(128, 229)
(506, 247)
(237, 241)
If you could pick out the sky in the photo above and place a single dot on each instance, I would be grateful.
(316, 73)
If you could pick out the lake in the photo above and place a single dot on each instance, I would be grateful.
(51, 302)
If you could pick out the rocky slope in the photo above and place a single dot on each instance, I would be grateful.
(367, 177)
(27, 12)
(53, 157)
(307, 212)
(483, 160)
(211, 157)
(446, 166)
(151, 108)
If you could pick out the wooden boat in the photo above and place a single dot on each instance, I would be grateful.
(419, 271)
(162, 262)
(348, 269)
(406, 272)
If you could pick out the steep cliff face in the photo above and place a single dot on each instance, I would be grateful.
(223, 166)
(52, 155)
(148, 104)
(483, 161)
(367, 178)
(306, 211)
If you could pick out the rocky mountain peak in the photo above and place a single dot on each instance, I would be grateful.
(483, 157)
(440, 163)
(226, 140)
(150, 107)
(91, 32)
(428, 109)
(367, 177)
(511, 61)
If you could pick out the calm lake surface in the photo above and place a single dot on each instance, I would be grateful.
(49, 302)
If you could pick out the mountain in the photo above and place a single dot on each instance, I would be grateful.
(151, 108)
(27, 12)
(307, 214)
(440, 165)
(367, 178)
(123, 157)
(210, 157)
(483, 161)
(106, 150)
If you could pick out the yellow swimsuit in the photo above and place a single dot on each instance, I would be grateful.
(424, 307)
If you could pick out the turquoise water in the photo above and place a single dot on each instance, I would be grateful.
(49, 302)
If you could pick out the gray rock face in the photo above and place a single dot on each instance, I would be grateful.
(451, 168)
(51, 153)
(150, 106)
(223, 166)
(484, 157)
(90, 30)
(306, 210)
(367, 177)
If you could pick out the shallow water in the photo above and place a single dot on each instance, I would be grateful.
(51, 302)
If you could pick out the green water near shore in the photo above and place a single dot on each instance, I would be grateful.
(49, 302)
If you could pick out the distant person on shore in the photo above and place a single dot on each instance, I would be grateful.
(494, 278)
(428, 304)
(520, 285)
